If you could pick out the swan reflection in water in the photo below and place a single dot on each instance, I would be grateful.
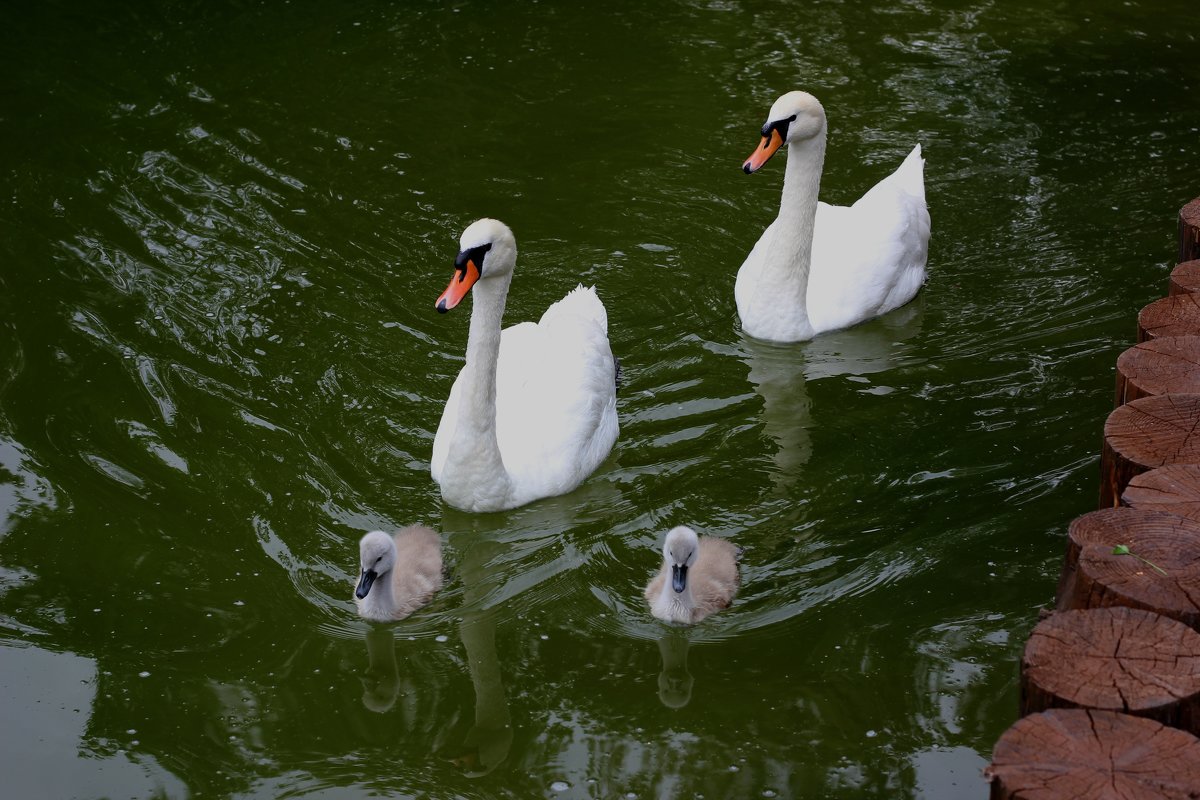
(500, 559)
(674, 681)
(780, 374)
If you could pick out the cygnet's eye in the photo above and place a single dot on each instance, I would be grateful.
(379, 559)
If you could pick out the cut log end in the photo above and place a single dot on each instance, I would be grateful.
(1170, 364)
(1174, 489)
(1189, 231)
(1072, 753)
(1185, 278)
(1114, 659)
(1106, 529)
(1145, 434)
(1175, 315)
(1141, 559)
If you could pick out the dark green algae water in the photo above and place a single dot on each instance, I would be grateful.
(223, 229)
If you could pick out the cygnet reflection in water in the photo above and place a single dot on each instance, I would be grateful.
(399, 574)
(698, 576)
(381, 680)
(674, 682)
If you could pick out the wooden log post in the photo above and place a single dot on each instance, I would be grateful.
(1114, 659)
(1174, 489)
(1106, 529)
(1158, 571)
(1185, 278)
(1100, 755)
(1159, 366)
(1147, 433)
(1189, 231)
(1175, 315)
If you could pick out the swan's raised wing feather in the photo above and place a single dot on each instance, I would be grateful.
(869, 258)
(556, 395)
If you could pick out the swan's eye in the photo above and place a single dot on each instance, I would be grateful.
(779, 125)
(474, 256)
(379, 559)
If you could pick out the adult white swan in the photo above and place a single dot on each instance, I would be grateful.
(819, 267)
(534, 410)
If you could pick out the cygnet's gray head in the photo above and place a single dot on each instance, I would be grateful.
(679, 552)
(376, 556)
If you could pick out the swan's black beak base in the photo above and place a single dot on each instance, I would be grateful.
(364, 583)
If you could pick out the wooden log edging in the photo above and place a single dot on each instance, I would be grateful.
(1189, 231)
(1174, 489)
(1169, 365)
(1144, 434)
(1077, 753)
(1108, 661)
(1114, 659)
(1159, 573)
(1173, 315)
(1185, 278)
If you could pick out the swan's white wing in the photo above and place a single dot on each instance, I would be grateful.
(556, 415)
(869, 259)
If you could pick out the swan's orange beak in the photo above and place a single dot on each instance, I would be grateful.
(770, 144)
(465, 274)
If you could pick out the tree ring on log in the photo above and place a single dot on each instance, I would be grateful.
(1170, 364)
(1185, 278)
(1147, 433)
(1107, 528)
(1073, 753)
(1174, 315)
(1174, 489)
(1114, 659)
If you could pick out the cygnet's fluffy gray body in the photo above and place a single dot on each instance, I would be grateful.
(698, 576)
(398, 574)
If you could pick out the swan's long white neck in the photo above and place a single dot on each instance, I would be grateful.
(788, 267)
(776, 299)
(476, 477)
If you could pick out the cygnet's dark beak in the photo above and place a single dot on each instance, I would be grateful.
(679, 577)
(364, 583)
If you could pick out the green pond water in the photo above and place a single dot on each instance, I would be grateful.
(223, 227)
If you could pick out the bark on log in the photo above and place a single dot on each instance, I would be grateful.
(1159, 366)
(1175, 315)
(1174, 489)
(1189, 231)
(1105, 529)
(1114, 659)
(1185, 278)
(1099, 755)
(1147, 433)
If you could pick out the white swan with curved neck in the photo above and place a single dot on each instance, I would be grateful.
(818, 267)
(534, 410)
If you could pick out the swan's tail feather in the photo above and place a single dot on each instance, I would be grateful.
(582, 302)
(911, 173)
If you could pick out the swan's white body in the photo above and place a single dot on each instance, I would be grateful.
(534, 411)
(698, 577)
(818, 267)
